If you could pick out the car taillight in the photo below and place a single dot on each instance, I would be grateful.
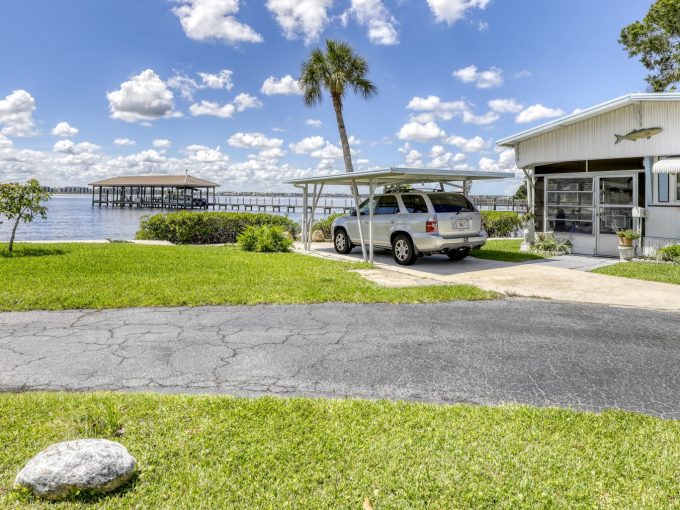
(432, 225)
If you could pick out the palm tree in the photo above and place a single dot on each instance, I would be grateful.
(337, 70)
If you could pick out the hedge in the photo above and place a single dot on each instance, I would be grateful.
(325, 224)
(501, 223)
(206, 227)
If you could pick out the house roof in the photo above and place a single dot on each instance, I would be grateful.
(588, 113)
(156, 180)
(401, 176)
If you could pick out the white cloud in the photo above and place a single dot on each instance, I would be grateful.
(329, 151)
(244, 101)
(433, 107)
(16, 114)
(124, 142)
(492, 77)
(254, 141)
(474, 144)
(413, 158)
(286, 86)
(68, 147)
(441, 158)
(309, 144)
(212, 108)
(522, 74)
(204, 20)
(300, 18)
(270, 154)
(505, 105)
(504, 163)
(162, 143)
(487, 118)
(537, 112)
(380, 23)
(353, 140)
(64, 129)
(421, 132)
(5, 142)
(221, 80)
(188, 86)
(314, 123)
(450, 11)
(144, 97)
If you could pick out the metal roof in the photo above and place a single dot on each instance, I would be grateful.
(156, 180)
(401, 176)
(588, 113)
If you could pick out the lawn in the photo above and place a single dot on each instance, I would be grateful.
(666, 273)
(504, 250)
(67, 276)
(198, 452)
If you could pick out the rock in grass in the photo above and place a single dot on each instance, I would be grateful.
(94, 465)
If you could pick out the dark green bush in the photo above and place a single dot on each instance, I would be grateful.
(325, 224)
(669, 253)
(206, 227)
(501, 223)
(264, 239)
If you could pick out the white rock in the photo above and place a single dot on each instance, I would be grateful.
(318, 237)
(96, 465)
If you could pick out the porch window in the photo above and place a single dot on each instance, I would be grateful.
(569, 206)
(663, 187)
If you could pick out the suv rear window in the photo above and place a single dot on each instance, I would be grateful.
(414, 203)
(450, 203)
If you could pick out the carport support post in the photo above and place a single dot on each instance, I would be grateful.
(371, 190)
(305, 192)
(315, 202)
(355, 194)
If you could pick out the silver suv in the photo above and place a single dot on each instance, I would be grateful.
(412, 224)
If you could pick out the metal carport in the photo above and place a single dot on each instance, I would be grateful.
(459, 179)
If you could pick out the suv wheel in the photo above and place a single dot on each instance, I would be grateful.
(459, 254)
(341, 242)
(403, 250)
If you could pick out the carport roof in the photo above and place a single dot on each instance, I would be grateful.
(401, 176)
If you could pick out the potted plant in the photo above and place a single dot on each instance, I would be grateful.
(626, 237)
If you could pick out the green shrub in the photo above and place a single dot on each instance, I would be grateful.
(206, 227)
(669, 253)
(501, 223)
(548, 243)
(264, 239)
(325, 225)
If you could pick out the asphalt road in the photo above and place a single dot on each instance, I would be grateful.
(536, 352)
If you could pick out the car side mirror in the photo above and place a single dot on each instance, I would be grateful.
(352, 212)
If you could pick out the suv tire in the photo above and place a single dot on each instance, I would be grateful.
(458, 254)
(403, 250)
(341, 242)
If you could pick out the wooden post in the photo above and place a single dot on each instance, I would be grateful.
(92, 196)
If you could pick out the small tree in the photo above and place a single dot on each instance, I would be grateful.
(521, 193)
(656, 40)
(22, 202)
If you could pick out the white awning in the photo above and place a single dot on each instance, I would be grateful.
(667, 166)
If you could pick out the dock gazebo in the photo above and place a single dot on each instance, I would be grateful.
(154, 191)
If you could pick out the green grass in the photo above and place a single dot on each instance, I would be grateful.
(504, 250)
(219, 452)
(67, 276)
(666, 273)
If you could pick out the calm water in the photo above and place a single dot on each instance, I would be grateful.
(73, 217)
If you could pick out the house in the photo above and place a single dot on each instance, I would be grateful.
(611, 167)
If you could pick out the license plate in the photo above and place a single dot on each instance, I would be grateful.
(461, 224)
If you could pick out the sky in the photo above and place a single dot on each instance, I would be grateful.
(93, 89)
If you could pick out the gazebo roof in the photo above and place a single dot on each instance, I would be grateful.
(156, 180)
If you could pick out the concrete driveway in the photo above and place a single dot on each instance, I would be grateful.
(564, 278)
(545, 353)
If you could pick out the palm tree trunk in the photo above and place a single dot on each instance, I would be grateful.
(14, 232)
(347, 156)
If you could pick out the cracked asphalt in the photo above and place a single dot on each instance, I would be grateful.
(545, 353)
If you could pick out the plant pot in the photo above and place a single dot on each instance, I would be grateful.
(626, 253)
(624, 241)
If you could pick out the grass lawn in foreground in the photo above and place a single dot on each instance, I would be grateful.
(504, 250)
(67, 276)
(665, 273)
(197, 452)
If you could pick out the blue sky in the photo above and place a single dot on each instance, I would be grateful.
(201, 84)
